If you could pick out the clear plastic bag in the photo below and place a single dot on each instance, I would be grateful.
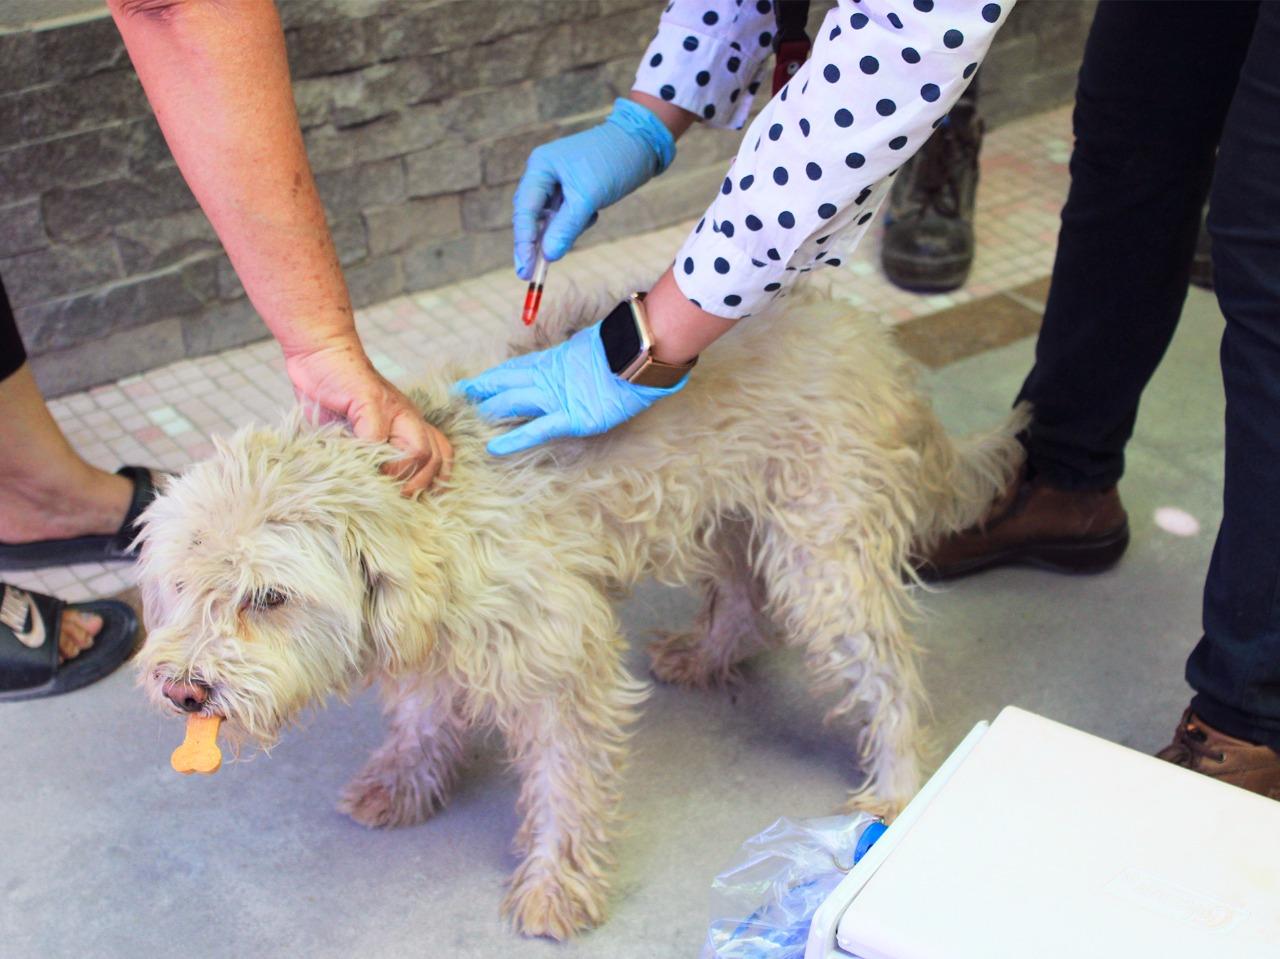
(762, 905)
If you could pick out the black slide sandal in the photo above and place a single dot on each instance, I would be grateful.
(100, 548)
(29, 626)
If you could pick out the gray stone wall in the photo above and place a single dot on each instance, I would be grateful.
(418, 116)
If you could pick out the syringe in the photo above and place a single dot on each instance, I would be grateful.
(533, 298)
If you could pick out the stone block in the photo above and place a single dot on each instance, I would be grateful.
(316, 49)
(416, 32)
(396, 228)
(80, 158)
(312, 98)
(414, 128)
(78, 213)
(620, 75)
(21, 229)
(221, 327)
(1008, 64)
(577, 92)
(18, 61)
(94, 314)
(77, 50)
(703, 145)
(504, 159)
(385, 89)
(374, 280)
(456, 259)
(623, 34)
(350, 239)
(108, 358)
(57, 109)
(148, 245)
(57, 271)
(298, 13)
(353, 190)
(664, 200)
(328, 150)
(502, 62)
(1047, 17)
(488, 208)
(448, 168)
(229, 285)
(1005, 102)
(489, 113)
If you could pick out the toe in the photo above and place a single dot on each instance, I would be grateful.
(77, 633)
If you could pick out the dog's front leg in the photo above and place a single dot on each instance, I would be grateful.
(847, 610)
(568, 748)
(409, 776)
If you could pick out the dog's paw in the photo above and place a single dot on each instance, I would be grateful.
(681, 660)
(886, 809)
(379, 801)
(543, 904)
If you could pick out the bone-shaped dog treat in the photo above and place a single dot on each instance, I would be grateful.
(199, 752)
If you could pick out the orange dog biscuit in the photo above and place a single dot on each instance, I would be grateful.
(199, 752)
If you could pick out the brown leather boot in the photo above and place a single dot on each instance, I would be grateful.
(1201, 748)
(1033, 524)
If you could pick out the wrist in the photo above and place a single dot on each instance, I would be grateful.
(642, 124)
(681, 330)
(312, 342)
(676, 119)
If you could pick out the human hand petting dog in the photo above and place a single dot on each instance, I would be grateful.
(570, 390)
(337, 377)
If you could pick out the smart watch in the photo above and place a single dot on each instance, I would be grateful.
(628, 345)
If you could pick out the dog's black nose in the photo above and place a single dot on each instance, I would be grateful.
(188, 695)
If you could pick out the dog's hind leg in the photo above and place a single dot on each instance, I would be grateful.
(727, 629)
(409, 776)
(568, 746)
(847, 608)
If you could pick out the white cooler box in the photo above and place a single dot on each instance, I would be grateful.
(1037, 841)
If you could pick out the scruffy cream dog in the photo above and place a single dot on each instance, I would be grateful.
(789, 480)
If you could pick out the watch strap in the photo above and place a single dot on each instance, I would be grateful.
(661, 375)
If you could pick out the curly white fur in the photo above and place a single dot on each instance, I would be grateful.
(791, 481)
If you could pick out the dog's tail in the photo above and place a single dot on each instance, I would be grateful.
(978, 468)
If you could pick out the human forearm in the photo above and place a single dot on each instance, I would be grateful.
(681, 329)
(218, 80)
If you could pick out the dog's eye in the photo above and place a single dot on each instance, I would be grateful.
(267, 599)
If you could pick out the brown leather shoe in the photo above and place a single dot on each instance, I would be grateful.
(1033, 524)
(1201, 748)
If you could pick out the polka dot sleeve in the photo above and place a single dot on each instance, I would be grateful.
(818, 159)
(709, 57)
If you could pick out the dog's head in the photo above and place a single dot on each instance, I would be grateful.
(274, 574)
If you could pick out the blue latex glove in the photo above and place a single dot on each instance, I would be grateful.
(567, 390)
(591, 170)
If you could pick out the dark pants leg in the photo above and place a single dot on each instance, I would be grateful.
(1235, 669)
(1155, 85)
(12, 353)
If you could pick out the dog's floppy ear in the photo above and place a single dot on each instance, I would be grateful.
(402, 586)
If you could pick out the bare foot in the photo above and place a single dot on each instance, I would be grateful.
(90, 501)
(77, 633)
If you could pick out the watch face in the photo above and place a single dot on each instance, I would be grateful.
(621, 337)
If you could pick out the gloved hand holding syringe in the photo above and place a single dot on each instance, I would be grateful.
(568, 181)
